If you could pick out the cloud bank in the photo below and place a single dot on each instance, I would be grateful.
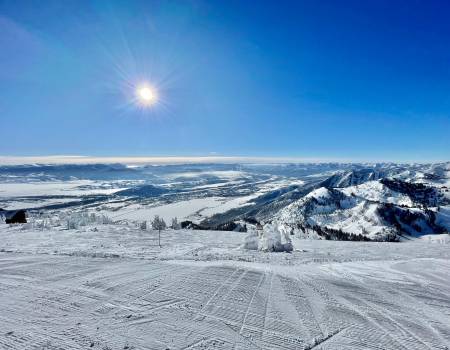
(63, 159)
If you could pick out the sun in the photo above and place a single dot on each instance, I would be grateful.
(146, 95)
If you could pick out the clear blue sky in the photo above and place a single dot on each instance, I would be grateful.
(336, 79)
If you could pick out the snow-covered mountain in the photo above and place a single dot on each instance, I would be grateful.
(354, 177)
(385, 209)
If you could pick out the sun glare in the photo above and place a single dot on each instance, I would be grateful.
(146, 95)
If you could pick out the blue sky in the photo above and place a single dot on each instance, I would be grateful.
(311, 79)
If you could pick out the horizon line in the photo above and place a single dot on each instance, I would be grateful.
(171, 160)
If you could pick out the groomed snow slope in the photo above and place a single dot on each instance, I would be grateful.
(114, 289)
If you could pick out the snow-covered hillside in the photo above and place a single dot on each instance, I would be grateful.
(373, 210)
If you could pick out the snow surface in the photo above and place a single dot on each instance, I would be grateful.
(224, 174)
(194, 209)
(377, 192)
(72, 188)
(112, 287)
(182, 209)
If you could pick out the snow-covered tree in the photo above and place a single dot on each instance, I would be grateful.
(251, 241)
(175, 224)
(275, 239)
(143, 225)
(158, 224)
(76, 219)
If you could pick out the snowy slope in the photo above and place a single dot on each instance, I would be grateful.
(378, 192)
(112, 287)
(371, 210)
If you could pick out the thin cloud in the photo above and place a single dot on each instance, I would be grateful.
(65, 159)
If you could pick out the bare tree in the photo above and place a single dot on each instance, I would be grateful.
(158, 224)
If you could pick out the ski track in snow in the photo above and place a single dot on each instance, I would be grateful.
(395, 299)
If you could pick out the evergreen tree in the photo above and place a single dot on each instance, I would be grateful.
(158, 224)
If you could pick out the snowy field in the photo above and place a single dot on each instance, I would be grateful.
(112, 287)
